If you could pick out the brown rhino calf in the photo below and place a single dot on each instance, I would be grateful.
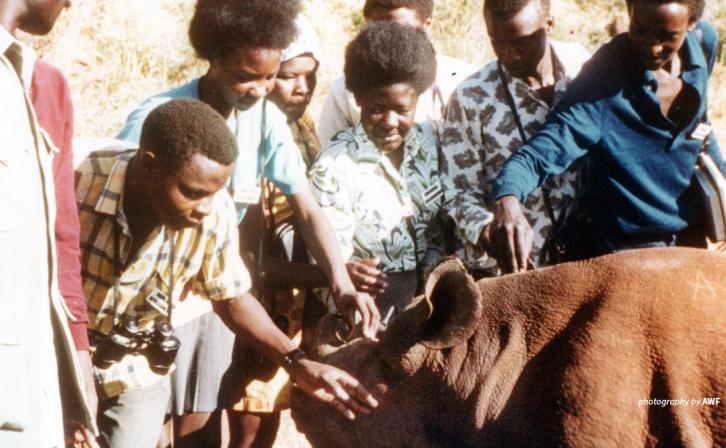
(626, 350)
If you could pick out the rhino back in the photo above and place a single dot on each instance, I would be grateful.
(581, 345)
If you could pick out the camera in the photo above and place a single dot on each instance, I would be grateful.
(122, 340)
(158, 345)
(161, 349)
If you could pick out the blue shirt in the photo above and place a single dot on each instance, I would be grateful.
(638, 164)
(283, 163)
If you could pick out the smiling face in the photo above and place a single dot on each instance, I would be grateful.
(520, 42)
(245, 75)
(387, 115)
(658, 31)
(294, 86)
(183, 198)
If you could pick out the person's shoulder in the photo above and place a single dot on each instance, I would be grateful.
(572, 56)
(449, 67)
(479, 86)
(132, 128)
(337, 87)
(46, 75)
(341, 149)
(223, 215)
(427, 133)
(99, 162)
(709, 33)
(274, 115)
(604, 74)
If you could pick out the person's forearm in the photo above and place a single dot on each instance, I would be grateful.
(320, 239)
(246, 317)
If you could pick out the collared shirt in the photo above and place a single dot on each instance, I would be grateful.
(637, 164)
(32, 316)
(205, 257)
(367, 200)
(480, 132)
(283, 164)
(340, 110)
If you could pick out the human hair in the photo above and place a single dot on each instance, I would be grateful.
(180, 128)
(219, 27)
(386, 53)
(695, 7)
(424, 8)
(506, 9)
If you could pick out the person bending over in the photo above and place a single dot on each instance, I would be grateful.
(154, 222)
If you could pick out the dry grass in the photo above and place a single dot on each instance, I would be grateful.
(118, 52)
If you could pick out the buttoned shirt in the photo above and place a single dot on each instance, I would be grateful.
(368, 201)
(35, 344)
(637, 163)
(261, 128)
(205, 257)
(480, 132)
(340, 110)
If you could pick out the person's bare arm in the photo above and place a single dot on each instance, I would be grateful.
(248, 319)
(320, 239)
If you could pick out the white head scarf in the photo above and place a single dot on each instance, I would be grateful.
(306, 42)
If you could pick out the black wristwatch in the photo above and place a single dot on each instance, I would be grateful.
(293, 357)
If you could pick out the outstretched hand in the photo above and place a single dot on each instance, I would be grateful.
(334, 387)
(366, 276)
(351, 302)
(509, 237)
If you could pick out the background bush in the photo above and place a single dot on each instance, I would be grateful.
(118, 52)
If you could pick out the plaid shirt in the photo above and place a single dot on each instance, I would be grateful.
(206, 258)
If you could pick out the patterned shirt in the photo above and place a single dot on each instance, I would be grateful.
(367, 200)
(480, 132)
(205, 257)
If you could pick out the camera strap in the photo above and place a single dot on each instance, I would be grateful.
(523, 135)
(117, 273)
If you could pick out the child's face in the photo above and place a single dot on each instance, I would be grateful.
(294, 85)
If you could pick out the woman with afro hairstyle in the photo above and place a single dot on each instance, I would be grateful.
(378, 182)
(242, 42)
(340, 110)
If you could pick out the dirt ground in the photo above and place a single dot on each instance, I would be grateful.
(287, 436)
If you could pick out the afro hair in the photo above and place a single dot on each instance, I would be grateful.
(219, 27)
(506, 9)
(386, 53)
(180, 128)
(424, 8)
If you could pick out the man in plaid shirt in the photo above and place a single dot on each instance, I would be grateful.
(155, 222)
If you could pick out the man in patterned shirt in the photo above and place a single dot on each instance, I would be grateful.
(155, 222)
(493, 112)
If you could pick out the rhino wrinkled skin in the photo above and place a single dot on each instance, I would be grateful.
(563, 356)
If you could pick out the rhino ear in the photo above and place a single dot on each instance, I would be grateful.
(455, 304)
